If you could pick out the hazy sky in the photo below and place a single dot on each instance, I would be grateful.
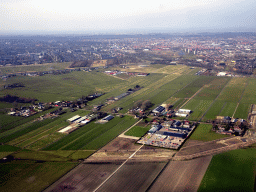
(83, 16)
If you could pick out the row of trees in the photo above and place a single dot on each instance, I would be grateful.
(143, 105)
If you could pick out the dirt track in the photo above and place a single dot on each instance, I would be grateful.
(182, 175)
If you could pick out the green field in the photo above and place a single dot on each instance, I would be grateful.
(231, 171)
(30, 176)
(137, 131)
(45, 154)
(69, 86)
(204, 133)
(93, 136)
(34, 68)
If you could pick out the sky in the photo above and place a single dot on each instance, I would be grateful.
(133, 16)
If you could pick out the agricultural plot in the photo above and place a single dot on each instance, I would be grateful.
(214, 110)
(7, 127)
(249, 95)
(30, 176)
(198, 108)
(213, 89)
(193, 87)
(98, 133)
(35, 68)
(69, 86)
(32, 127)
(181, 175)
(231, 171)
(47, 132)
(234, 90)
(137, 131)
(85, 177)
(204, 133)
(228, 109)
(102, 140)
(242, 110)
(133, 177)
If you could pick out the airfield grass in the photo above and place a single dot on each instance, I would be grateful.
(204, 133)
(231, 171)
(137, 131)
(30, 176)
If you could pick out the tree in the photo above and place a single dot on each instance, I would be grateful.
(146, 104)
(137, 104)
(227, 127)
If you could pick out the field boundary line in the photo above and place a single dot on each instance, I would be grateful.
(90, 131)
(122, 134)
(240, 100)
(214, 102)
(192, 97)
(117, 169)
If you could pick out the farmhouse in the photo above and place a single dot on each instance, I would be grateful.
(69, 129)
(159, 109)
(222, 74)
(106, 119)
(74, 118)
(121, 96)
(183, 112)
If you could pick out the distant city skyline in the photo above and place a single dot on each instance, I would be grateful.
(82, 17)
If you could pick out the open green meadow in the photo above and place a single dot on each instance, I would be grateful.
(231, 171)
(204, 133)
(137, 131)
(93, 136)
(69, 86)
(31, 176)
(34, 68)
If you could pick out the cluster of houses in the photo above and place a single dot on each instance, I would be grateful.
(37, 107)
(168, 134)
(229, 126)
(23, 111)
(166, 111)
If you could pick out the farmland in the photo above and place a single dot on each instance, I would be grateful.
(231, 171)
(203, 133)
(31, 176)
(82, 138)
(32, 140)
(137, 131)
